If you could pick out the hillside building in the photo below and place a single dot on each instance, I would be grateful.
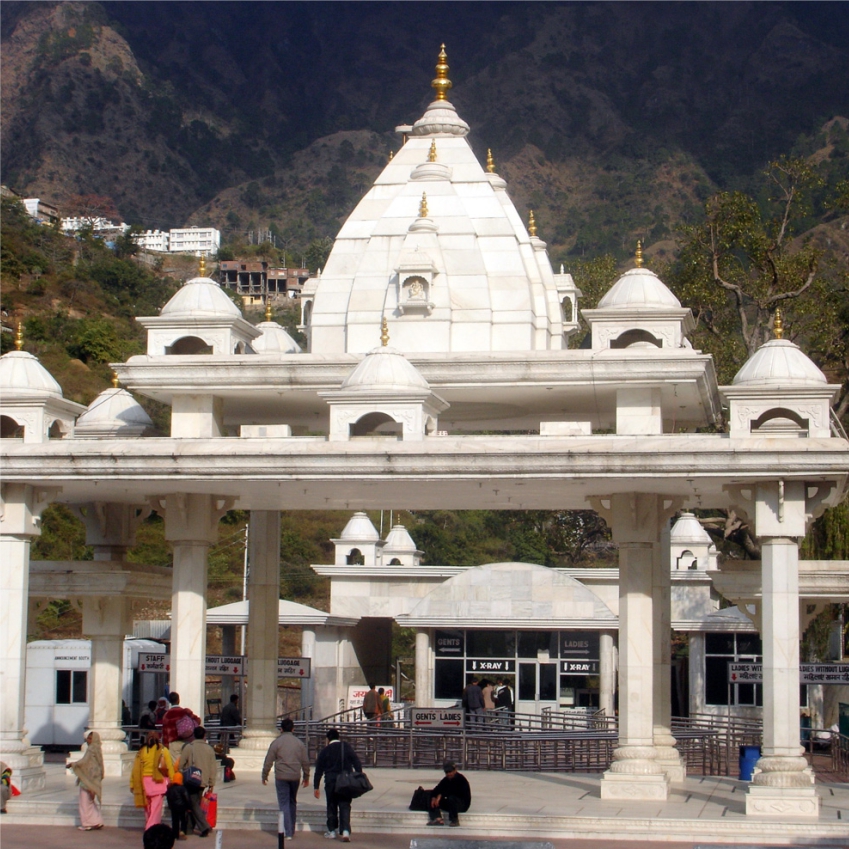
(194, 240)
(258, 283)
(478, 403)
(154, 240)
(96, 223)
(41, 211)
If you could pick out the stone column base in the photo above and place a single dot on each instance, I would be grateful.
(675, 771)
(118, 765)
(27, 768)
(252, 749)
(670, 761)
(782, 802)
(615, 785)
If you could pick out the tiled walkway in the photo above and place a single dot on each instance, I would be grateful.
(543, 806)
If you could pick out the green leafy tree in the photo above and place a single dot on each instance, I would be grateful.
(746, 260)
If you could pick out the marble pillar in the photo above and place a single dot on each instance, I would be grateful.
(262, 648)
(19, 515)
(308, 650)
(664, 741)
(191, 526)
(635, 772)
(782, 784)
(106, 621)
(110, 530)
(229, 649)
(424, 678)
(607, 673)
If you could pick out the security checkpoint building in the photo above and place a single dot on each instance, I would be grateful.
(477, 403)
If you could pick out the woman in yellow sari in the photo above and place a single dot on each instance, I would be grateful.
(153, 770)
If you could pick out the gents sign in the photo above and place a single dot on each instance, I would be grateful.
(809, 673)
(483, 665)
(437, 717)
(579, 645)
(450, 644)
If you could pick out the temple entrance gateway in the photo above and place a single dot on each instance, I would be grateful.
(497, 412)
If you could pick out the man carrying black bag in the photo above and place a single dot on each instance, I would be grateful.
(336, 757)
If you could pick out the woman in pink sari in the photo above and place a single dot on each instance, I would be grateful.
(89, 772)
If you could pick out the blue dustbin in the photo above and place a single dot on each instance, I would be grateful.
(749, 756)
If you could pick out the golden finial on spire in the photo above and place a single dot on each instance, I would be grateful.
(202, 266)
(532, 225)
(114, 379)
(19, 338)
(423, 206)
(267, 309)
(778, 325)
(384, 332)
(391, 155)
(638, 255)
(441, 84)
(490, 162)
(431, 157)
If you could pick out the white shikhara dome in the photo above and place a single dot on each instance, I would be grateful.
(22, 373)
(688, 531)
(113, 413)
(360, 528)
(779, 362)
(455, 271)
(274, 340)
(639, 288)
(399, 539)
(385, 369)
(200, 296)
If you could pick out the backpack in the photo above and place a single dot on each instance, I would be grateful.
(185, 727)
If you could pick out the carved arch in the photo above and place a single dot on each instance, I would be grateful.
(634, 337)
(189, 346)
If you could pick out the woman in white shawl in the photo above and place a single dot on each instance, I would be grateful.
(89, 772)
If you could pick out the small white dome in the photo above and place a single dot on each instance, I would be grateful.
(779, 362)
(689, 531)
(114, 411)
(22, 372)
(360, 529)
(399, 539)
(274, 340)
(639, 288)
(386, 368)
(200, 296)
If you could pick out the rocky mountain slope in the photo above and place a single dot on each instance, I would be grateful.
(610, 120)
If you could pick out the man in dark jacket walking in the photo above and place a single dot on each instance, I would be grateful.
(473, 703)
(337, 756)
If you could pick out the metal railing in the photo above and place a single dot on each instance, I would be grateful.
(555, 741)
(839, 753)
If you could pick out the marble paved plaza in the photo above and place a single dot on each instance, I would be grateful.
(543, 806)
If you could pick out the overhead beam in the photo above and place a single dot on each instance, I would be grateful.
(79, 578)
